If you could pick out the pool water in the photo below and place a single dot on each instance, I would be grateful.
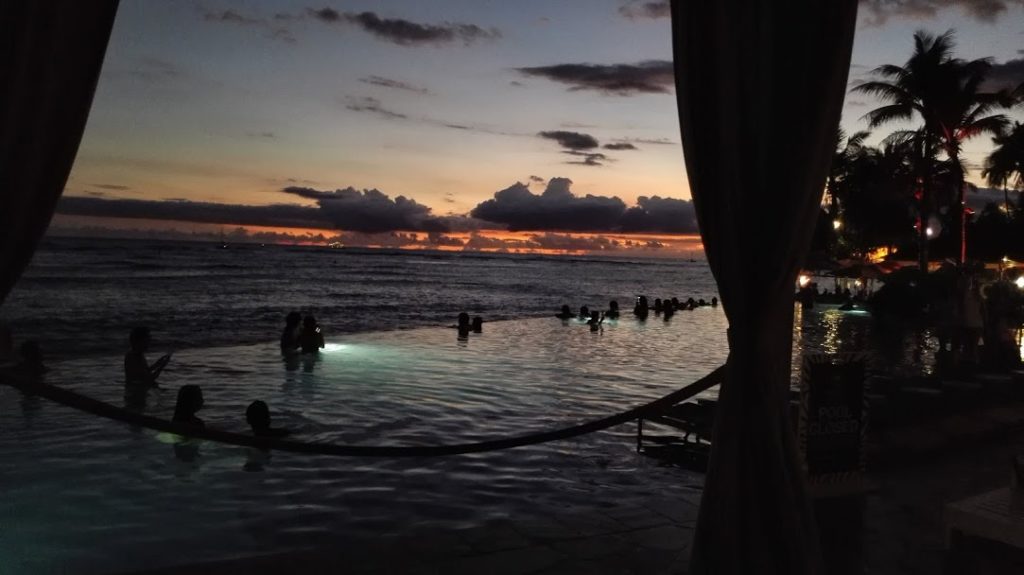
(89, 495)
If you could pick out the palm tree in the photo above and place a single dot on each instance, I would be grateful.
(846, 151)
(945, 93)
(1005, 165)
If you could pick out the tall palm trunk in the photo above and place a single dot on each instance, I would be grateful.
(923, 207)
(961, 206)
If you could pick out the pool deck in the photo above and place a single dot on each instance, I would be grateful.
(653, 538)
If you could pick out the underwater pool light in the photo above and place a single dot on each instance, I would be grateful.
(333, 347)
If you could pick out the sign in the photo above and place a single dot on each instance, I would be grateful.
(833, 417)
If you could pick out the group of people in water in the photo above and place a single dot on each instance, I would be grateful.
(140, 376)
(465, 326)
(641, 310)
(301, 334)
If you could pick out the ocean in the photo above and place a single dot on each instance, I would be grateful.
(82, 296)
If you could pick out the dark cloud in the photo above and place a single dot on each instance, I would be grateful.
(537, 179)
(111, 187)
(372, 105)
(587, 158)
(273, 28)
(570, 243)
(650, 77)
(371, 211)
(408, 33)
(879, 11)
(558, 209)
(516, 83)
(571, 140)
(660, 215)
(634, 9)
(396, 84)
(327, 14)
(620, 146)
(654, 141)
(1006, 76)
(441, 240)
(283, 215)
(232, 17)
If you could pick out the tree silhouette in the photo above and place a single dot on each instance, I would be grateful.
(945, 93)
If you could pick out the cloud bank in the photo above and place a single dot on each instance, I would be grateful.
(878, 12)
(406, 32)
(649, 77)
(558, 209)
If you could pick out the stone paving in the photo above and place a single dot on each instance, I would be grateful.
(652, 539)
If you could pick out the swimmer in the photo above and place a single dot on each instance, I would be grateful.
(257, 415)
(190, 400)
(312, 338)
(478, 324)
(584, 313)
(613, 310)
(566, 313)
(640, 310)
(292, 331)
(463, 325)
(595, 321)
(137, 371)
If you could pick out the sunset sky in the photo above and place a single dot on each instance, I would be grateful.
(444, 103)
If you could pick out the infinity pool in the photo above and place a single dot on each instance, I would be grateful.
(88, 495)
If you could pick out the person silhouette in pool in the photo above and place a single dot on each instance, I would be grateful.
(139, 376)
(478, 324)
(463, 327)
(566, 313)
(190, 401)
(292, 331)
(257, 415)
(312, 338)
(613, 310)
(137, 371)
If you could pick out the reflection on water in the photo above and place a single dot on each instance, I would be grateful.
(893, 347)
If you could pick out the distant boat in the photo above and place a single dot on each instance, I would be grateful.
(223, 243)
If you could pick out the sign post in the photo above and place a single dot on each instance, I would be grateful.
(833, 421)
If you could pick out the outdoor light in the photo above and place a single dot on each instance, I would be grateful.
(804, 280)
(837, 223)
(332, 347)
(928, 231)
(1020, 282)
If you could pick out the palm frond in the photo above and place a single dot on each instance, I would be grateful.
(890, 113)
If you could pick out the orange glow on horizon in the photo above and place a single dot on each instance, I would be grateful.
(489, 241)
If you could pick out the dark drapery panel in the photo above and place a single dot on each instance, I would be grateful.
(49, 64)
(760, 88)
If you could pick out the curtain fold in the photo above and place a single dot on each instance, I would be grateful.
(50, 63)
(760, 87)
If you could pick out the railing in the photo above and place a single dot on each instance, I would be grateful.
(102, 409)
